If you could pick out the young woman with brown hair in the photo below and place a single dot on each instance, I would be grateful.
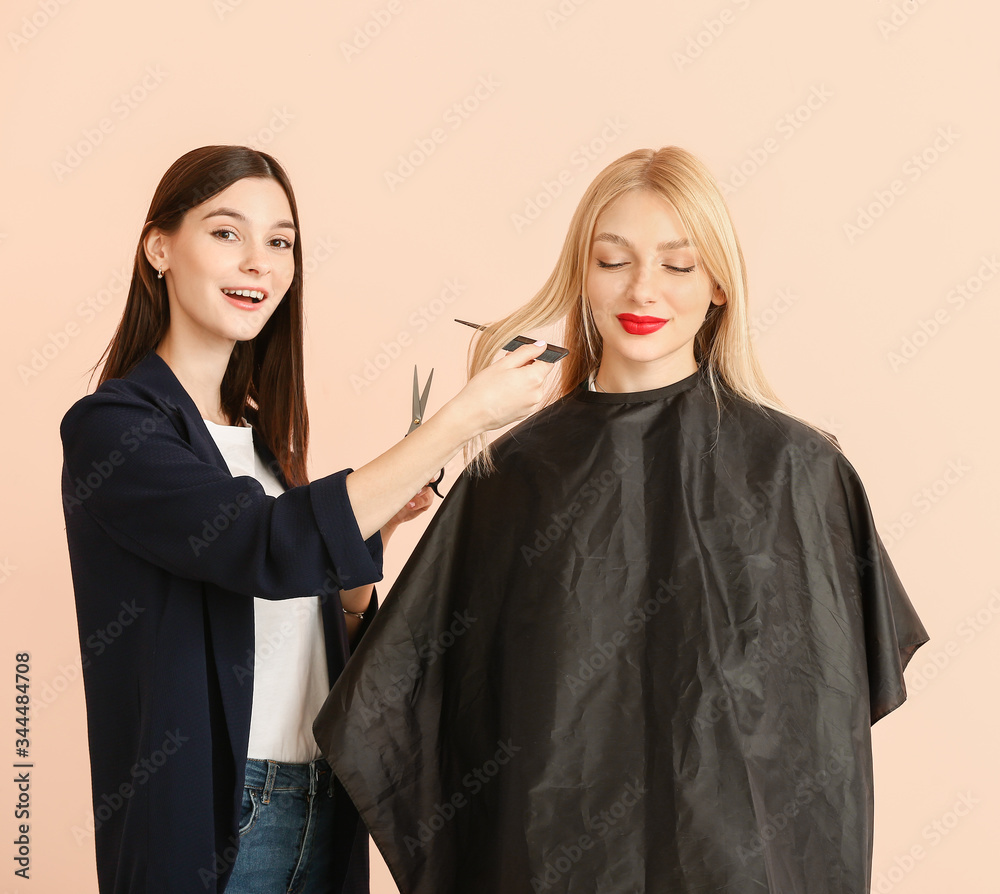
(187, 501)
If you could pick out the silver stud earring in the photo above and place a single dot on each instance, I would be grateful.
(159, 275)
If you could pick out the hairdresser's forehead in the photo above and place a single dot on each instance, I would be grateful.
(260, 200)
(642, 218)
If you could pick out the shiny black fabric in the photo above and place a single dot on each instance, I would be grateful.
(644, 656)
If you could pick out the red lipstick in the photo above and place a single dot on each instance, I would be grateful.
(636, 325)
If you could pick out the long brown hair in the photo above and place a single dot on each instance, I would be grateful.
(264, 380)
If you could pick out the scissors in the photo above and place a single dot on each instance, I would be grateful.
(419, 406)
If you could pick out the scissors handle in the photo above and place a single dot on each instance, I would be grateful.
(433, 485)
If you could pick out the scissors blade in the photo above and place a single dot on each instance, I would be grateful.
(417, 414)
(423, 397)
(419, 400)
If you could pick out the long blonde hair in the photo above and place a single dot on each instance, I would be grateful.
(722, 345)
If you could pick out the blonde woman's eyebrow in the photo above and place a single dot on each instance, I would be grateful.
(615, 239)
(239, 215)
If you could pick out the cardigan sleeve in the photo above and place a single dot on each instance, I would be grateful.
(129, 468)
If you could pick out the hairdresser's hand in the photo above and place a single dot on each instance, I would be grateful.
(420, 503)
(504, 392)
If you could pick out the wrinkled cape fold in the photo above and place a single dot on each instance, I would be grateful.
(644, 655)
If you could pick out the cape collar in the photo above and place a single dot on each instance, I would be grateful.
(583, 393)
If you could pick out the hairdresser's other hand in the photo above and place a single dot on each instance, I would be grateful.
(506, 391)
(418, 505)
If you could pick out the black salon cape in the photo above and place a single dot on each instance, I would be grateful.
(643, 656)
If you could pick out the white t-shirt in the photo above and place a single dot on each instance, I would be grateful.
(290, 678)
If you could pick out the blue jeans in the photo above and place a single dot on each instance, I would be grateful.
(286, 830)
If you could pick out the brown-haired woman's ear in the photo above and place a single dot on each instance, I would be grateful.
(154, 249)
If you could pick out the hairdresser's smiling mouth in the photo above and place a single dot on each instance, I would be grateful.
(245, 298)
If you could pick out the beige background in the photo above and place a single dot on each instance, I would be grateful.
(99, 98)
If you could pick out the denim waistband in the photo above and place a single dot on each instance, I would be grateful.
(270, 776)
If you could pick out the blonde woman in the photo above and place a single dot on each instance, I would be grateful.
(642, 644)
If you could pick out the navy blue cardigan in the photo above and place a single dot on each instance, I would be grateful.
(167, 548)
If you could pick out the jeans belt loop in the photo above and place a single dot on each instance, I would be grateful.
(272, 771)
(313, 779)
